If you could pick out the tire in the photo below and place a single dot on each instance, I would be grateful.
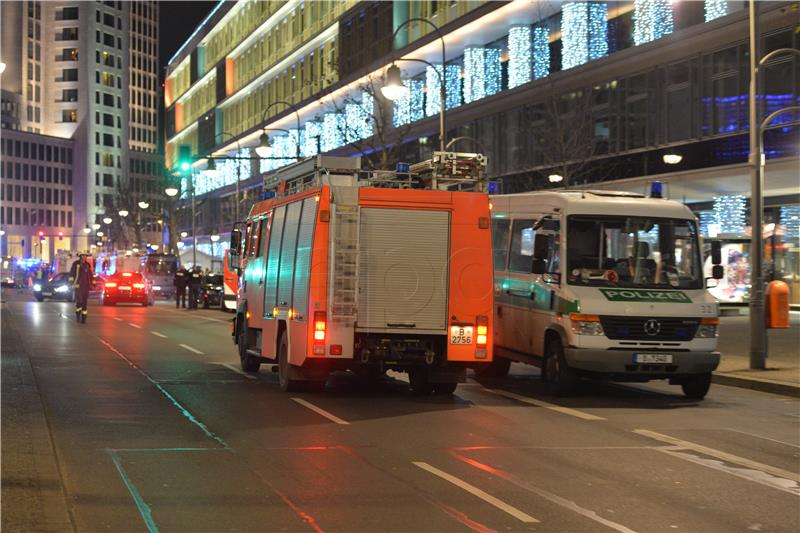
(286, 384)
(560, 377)
(222, 305)
(418, 381)
(498, 368)
(248, 362)
(697, 387)
(205, 304)
(40, 298)
(445, 389)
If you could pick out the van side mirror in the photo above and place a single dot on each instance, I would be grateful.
(236, 242)
(717, 272)
(716, 254)
(541, 249)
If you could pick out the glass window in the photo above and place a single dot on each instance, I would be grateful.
(521, 246)
(302, 266)
(273, 258)
(288, 253)
(500, 234)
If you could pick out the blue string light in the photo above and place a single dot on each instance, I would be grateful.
(652, 19)
(584, 32)
(474, 77)
(333, 126)
(730, 213)
(598, 30)
(706, 218)
(409, 107)
(715, 9)
(519, 56)
(790, 220)
(225, 173)
(313, 134)
(452, 83)
(541, 53)
(492, 71)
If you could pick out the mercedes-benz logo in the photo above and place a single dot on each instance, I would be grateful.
(652, 327)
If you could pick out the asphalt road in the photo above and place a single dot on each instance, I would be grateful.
(155, 428)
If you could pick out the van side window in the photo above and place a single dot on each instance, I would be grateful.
(500, 233)
(288, 253)
(273, 259)
(519, 259)
(554, 253)
(302, 265)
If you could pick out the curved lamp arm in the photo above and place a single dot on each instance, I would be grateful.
(297, 117)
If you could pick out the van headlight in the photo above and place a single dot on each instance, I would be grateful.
(585, 324)
(708, 328)
(62, 288)
(37, 287)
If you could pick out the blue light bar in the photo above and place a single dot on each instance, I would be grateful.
(656, 189)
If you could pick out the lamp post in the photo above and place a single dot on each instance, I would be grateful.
(758, 333)
(264, 142)
(263, 135)
(394, 88)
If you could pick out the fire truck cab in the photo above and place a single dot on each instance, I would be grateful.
(344, 270)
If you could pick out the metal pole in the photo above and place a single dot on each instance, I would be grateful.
(758, 336)
(236, 219)
(194, 221)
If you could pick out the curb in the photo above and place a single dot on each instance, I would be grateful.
(762, 385)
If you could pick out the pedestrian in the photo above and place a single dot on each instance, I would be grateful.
(80, 275)
(180, 280)
(195, 279)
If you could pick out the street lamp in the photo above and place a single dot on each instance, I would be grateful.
(555, 178)
(184, 234)
(214, 238)
(123, 213)
(672, 159)
(263, 144)
(87, 230)
(171, 191)
(395, 84)
(95, 226)
(143, 205)
(100, 233)
(107, 220)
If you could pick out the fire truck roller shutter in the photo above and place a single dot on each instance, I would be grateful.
(403, 270)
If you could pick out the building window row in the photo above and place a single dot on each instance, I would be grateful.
(16, 216)
(35, 195)
(36, 151)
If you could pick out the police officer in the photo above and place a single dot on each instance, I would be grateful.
(80, 275)
(180, 281)
(195, 279)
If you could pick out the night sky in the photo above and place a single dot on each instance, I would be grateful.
(177, 22)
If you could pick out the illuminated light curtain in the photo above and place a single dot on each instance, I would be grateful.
(409, 108)
(730, 213)
(333, 126)
(474, 78)
(225, 173)
(790, 220)
(493, 71)
(715, 9)
(296, 139)
(652, 19)
(452, 79)
(541, 53)
(706, 218)
(584, 33)
(312, 130)
(358, 118)
(519, 56)
(366, 128)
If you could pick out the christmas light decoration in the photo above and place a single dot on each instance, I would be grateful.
(333, 127)
(730, 213)
(706, 218)
(225, 173)
(409, 107)
(519, 56)
(313, 134)
(492, 71)
(790, 220)
(474, 79)
(453, 88)
(541, 53)
(715, 9)
(652, 19)
(598, 30)
(584, 32)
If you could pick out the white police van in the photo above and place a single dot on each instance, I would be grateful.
(602, 284)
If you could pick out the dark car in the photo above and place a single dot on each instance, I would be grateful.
(58, 288)
(127, 287)
(211, 291)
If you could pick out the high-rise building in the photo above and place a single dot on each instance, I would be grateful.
(86, 71)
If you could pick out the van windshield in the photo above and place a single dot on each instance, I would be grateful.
(162, 266)
(610, 251)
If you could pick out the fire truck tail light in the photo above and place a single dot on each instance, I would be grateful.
(320, 322)
(336, 349)
(482, 330)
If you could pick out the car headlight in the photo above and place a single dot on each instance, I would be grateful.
(217, 288)
(585, 324)
(707, 328)
(62, 288)
(156, 287)
(37, 287)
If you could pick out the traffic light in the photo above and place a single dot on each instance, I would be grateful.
(60, 235)
(184, 157)
(41, 234)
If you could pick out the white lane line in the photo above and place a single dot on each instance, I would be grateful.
(719, 454)
(762, 437)
(157, 334)
(237, 370)
(475, 491)
(118, 319)
(137, 326)
(187, 347)
(546, 405)
(320, 411)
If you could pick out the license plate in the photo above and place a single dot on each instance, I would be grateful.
(47, 293)
(460, 334)
(124, 288)
(652, 358)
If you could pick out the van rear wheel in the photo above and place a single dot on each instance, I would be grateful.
(498, 368)
(560, 377)
(286, 383)
(418, 381)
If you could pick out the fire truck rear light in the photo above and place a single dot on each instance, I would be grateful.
(336, 349)
(319, 349)
(482, 330)
(274, 311)
(481, 340)
(480, 353)
(319, 335)
(320, 322)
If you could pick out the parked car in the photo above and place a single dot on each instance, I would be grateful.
(58, 288)
(128, 287)
(211, 291)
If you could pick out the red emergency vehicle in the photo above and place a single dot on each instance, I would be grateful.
(343, 273)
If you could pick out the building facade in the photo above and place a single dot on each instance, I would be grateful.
(86, 71)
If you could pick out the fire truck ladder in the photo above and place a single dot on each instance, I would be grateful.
(344, 256)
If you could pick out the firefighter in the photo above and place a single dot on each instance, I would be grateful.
(180, 281)
(195, 279)
(80, 275)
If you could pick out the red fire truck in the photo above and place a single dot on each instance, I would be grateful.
(344, 270)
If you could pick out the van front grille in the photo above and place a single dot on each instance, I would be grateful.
(649, 328)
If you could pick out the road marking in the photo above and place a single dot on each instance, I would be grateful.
(475, 491)
(144, 509)
(554, 498)
(118, 319)
(234, 369)
(546, 405)
(157, 334)
(187, 347)
(763, 437)
(137, 326)
(320, 411)
(719, 454)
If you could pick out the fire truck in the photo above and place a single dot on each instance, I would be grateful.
(348, 270)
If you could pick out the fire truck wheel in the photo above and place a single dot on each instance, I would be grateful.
(286, 384)
(418, 381)
(560, 377)
(498, 368)
(248, 362)
(445, 389)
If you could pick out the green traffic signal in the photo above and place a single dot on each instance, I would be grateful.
(185, 166)
(184, 157)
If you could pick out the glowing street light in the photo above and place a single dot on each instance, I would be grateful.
(87, 230)
(672, 159)
(107, 220)
(555, 178)
(171, 191)
(393, 88)
(144, 205)
(123, 213)
(100, 233)
(214, 238)
(184, 234)
(95, 226)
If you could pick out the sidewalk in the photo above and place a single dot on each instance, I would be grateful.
(782, 375)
